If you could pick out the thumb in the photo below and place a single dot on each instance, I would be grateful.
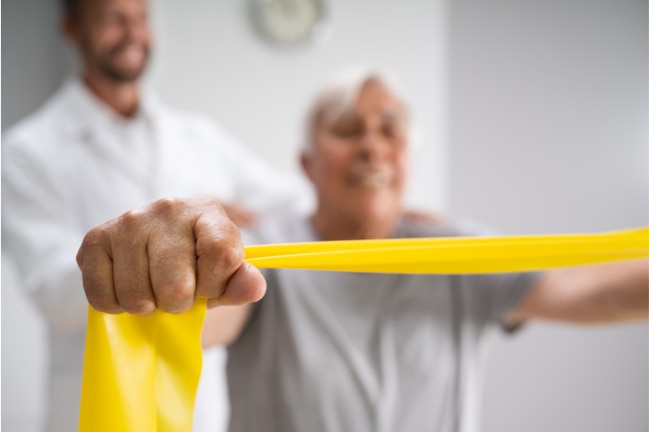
(247, 285)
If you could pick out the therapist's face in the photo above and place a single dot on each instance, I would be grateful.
(114, 37)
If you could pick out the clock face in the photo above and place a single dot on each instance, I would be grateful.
(288, 22)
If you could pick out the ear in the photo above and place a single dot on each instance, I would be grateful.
(70, 29)
(306, 161)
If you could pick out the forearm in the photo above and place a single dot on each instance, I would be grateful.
(223, 324)
(590, 294)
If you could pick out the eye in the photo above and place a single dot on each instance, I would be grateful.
(346, 128)
(393, 130)
(110, 16)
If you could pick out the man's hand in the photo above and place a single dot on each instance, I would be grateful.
(165, 254)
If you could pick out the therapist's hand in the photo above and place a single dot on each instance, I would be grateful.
(165, 254)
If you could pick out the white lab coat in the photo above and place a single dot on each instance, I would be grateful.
(70, 166)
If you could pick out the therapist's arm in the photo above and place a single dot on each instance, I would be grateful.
(604, 293)
(165, 254)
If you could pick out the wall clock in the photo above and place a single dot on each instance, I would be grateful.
(290, 22)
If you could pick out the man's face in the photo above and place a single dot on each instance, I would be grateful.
(114, 36)
(359, 159)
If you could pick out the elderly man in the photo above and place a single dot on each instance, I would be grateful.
(326, 351)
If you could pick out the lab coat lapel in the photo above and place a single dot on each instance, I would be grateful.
(95, 126)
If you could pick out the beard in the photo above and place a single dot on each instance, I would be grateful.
(109, 66)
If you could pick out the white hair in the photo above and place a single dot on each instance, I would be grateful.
(337, 96)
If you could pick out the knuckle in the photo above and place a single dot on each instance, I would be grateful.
(91, 241)
(142, 307)
(96, 245)
(181, 292)
(80, 256)
(178, 297)
(103, 304)
(226, 255)
(166, 206)
(130, 220)
(231, 258)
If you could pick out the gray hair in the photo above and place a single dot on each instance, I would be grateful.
(336, 98)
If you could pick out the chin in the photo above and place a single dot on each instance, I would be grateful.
(378, 205)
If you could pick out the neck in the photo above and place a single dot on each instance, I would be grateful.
(343, 227)
(123, 98)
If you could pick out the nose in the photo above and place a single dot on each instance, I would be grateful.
(372, 145)
(136, 28)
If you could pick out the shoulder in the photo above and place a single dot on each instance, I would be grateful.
(38, 136)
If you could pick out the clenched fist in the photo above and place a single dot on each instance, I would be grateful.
(163, 256)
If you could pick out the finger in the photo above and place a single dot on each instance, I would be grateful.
(172, 270)
(96, 265)
(246, 285)
(219, 254)
(131, 265)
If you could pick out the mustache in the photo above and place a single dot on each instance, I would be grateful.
(124, 44)
(371, 168)
(374, 175)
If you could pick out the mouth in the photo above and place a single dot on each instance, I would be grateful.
(133, 54)
(370, 179)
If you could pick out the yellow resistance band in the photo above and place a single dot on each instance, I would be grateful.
(455, 255)
(141, 373)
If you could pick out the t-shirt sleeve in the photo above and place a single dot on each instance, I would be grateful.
(488, 298)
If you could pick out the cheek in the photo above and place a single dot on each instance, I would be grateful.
(108, 38)
(147, 36)
(109, 35)
(401, 167)
(335, 162)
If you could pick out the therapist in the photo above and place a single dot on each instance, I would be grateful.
(101, 145)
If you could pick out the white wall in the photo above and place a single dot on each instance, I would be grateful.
(210, 59)
(34, 58)
(548, 131)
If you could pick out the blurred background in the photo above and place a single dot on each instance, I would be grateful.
(532, 117)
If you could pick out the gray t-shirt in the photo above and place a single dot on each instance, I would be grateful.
(330, 351)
